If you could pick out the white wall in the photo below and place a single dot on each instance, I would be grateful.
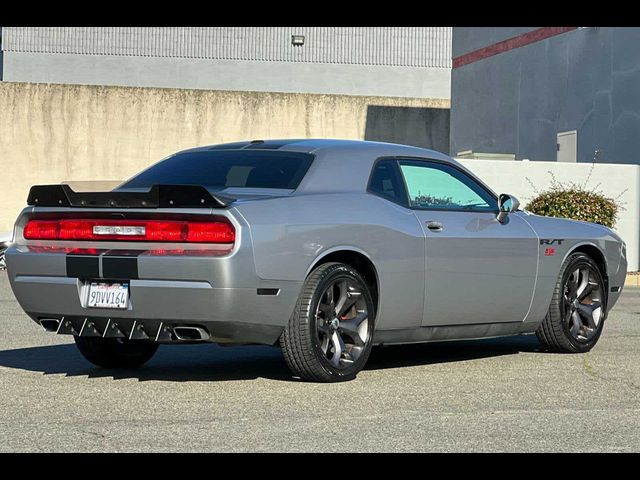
(613, 180)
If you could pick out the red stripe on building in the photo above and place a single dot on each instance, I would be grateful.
(510, 44)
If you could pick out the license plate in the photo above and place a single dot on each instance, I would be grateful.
(108, 295)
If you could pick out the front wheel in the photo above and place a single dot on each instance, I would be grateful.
(578, 307)
(115, 352)
(329, 336)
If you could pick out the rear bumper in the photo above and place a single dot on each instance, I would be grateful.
(219, 294)
(161, 331)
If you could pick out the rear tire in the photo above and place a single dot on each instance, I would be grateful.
(115, 352)
(578, 307)
(329, 335)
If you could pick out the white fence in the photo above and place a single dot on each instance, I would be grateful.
(621, 182)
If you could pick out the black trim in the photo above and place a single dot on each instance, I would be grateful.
(256, 145)
(230, 332)
(229, 146)
(435, 333)
(121, 264)
(121, 268)
(83, 266)
(128, 215)
(268, 291)
(615, 289)
(116, 264)
(159, 196)
(269, 144)
(253, 144)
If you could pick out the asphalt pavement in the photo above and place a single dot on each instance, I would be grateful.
(484, 395)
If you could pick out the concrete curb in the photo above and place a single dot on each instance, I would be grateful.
(632, 280)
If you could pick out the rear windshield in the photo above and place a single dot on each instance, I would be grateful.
(221, 169)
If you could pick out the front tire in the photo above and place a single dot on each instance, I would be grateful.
(115, 352)
(329, 335)
(578, 307)
(3, 264)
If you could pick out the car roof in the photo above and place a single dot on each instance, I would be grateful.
(316, 145)
(339, 165)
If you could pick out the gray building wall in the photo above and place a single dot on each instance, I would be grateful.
(469, 39)
(517, 101)
(381, 61)
(422, 127)
(257, 76)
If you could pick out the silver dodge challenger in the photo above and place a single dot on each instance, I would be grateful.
(324, 247)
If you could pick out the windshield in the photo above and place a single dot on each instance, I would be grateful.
(220, 169)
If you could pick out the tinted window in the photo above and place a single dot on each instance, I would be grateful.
(227, 168)
(386, 182)
(436, 185)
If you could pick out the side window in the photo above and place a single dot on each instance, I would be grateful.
(386, 182)
(439, 186)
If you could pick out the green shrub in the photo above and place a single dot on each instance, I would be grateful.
(574, 202)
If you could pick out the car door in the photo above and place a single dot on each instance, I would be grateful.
(478, 270)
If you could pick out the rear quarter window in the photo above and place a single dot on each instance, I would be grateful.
(219, 169)
(385, 181)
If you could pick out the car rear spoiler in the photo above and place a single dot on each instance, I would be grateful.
(159, 196)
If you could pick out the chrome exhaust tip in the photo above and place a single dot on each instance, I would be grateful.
(50, 324)
(191, 333)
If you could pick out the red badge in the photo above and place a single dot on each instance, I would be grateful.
(549, 252)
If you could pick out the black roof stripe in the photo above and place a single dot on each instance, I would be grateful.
(268, 144)
(229, 146)
(254, 145)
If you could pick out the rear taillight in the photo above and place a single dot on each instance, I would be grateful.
(131, 230)
(42, 230)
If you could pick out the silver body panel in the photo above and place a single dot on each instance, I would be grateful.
(476, 278)
(488, 266)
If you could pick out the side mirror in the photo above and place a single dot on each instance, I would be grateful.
(506, 204)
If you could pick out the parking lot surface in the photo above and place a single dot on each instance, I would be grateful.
(485, 395)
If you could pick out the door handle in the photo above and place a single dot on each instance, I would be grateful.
(434, 226)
